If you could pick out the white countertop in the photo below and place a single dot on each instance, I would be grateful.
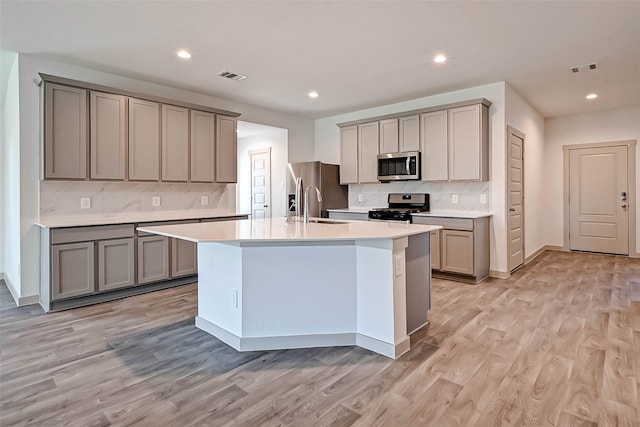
(277, 229)
(455, 214)
(133, 217)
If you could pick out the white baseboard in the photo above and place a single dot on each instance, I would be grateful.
(556, 248)
(13, 290)
(499, 274)
(535, 255)
(303, 341)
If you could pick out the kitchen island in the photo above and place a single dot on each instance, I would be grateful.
(272, 284)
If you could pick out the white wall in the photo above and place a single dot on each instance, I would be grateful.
(27, 160)
(276, 139)
(521, 116)
(613, 125)
(11, 179)
(327, 149)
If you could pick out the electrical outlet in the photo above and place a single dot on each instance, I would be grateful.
(204, 200)
(359, 197)
(454, 198)
(483, 199)
(155, 201)
(85, 202)
(235, 298)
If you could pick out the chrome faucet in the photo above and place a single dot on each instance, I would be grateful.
(295, 203)
(306, 201)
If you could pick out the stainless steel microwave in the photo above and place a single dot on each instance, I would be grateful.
(399, 166)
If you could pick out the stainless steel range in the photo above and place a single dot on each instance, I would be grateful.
(401, 206)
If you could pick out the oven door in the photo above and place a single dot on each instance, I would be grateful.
(399, 166)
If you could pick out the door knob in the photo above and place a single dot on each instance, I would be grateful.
(512, 210)
(624, 206)
(266, 206)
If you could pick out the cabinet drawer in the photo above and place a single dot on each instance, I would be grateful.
(84, 234)
(155, 224)
(465, 224)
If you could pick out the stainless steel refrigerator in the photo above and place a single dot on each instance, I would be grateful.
(324, 176)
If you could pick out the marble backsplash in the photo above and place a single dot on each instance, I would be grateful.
(107, 198)
(375, 195)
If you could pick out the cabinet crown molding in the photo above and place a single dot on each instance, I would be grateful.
(47, 78)
(482, 101)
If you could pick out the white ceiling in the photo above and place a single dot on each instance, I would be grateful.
(356, 54)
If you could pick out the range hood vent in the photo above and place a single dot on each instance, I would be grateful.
(231, 76)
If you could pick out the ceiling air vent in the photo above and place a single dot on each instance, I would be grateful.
(583, 68)
(231, 76)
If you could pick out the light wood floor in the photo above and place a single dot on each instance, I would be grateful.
(556, 344)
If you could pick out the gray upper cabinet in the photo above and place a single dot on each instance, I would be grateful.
(468, 143)
(349, 155)
(409, 133)
(368, 142)
(388, 136)
(65, 132)
(175, 143)
(226, 149)
(107, 136)
(455, 144)
(144, 140)
(203, 147)
(435, 163)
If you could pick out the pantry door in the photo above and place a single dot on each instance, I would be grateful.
(516, 199)
(260, 183)
(599, 199)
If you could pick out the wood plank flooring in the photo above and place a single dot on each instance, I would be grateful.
(556, 344)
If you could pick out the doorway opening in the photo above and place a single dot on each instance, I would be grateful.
(599, 197)
(254, 138)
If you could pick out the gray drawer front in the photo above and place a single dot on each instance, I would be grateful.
(155, 224)
(226, 218)
(465, 224)
(85, 234)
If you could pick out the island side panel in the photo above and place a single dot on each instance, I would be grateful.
(381, 296)
(220, 289)
(298, 288)
(418, 277)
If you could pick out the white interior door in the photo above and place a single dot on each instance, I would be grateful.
(516, 200)
(261, 183)
(599, 217)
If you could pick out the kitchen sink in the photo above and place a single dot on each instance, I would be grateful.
(326, 221)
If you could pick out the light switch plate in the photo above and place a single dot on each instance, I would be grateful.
(483, 199)
(204, 200)
(399, 265)
(85, 202)
(359, 197)
(454, 198)
(155, 201)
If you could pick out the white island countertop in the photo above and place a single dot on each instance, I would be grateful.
(277, 229)
(59, 221)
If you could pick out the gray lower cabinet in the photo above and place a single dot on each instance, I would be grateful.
(457, 252)
(72, 270)
(460, 251)
(184, 258)
(116, 264)
(153, 259)
(435, 250)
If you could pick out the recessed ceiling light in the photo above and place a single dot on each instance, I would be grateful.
(592, 96)
(439, 59)
(184, 54)
(313, 94)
